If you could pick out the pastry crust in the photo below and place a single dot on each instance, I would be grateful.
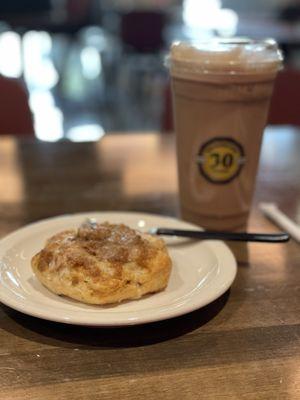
(103, 263)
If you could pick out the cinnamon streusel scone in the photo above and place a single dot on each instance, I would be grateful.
(103, 263)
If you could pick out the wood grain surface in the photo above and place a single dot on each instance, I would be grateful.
(245, 345)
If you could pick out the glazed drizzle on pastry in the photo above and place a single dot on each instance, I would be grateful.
(117, 244)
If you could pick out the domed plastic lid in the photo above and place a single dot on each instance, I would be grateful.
(235, 57)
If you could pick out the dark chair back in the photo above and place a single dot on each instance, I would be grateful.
(142, 31)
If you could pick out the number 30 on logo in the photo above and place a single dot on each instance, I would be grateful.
(221, 159)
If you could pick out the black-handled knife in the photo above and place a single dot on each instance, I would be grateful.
(235, 236)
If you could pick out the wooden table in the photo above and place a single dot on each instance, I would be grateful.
(245, 345)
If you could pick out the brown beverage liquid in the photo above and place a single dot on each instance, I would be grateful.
(221, 94)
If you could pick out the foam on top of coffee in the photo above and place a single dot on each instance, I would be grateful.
(220, 57)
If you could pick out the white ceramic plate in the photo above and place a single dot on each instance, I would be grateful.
(202, 271)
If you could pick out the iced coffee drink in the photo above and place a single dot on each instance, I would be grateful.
(221, 96)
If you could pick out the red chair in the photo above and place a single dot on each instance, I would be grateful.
(15, 115)
(285, 103)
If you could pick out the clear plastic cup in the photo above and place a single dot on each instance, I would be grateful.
(221, 95)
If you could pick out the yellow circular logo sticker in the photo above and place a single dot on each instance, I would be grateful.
(221, 159)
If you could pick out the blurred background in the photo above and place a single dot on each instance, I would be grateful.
(75, 69)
